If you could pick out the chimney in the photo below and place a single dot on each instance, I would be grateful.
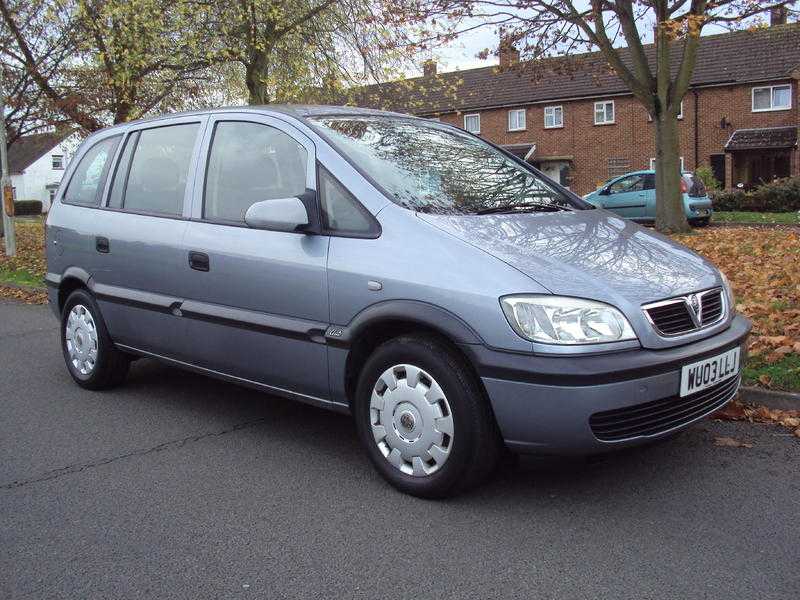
(777, 16)
(509, 55)
(429, 68)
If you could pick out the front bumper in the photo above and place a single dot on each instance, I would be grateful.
(543, 404)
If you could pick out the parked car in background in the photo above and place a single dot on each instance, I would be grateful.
(342, 258)
(633, 196)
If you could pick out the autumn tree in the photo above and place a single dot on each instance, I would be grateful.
(289, 48)
(658, 76)
(98, 62)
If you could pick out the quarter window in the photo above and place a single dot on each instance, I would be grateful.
(159, 169)
(341, 212)
(90, 174)
(604, 112)
(249, 163)
(553, 117)
(472, 123)
(516, 119)
(772, 97)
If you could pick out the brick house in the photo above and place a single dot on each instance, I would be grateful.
(580, 125)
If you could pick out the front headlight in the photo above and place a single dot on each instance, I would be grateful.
(726, 285)
(563, 320)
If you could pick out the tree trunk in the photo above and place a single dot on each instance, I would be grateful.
(256, 76)
(670, 217)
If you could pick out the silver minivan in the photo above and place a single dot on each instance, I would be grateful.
(451, 298)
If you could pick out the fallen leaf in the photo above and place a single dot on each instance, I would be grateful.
(731, 443)
(734, 411)
(764, 379)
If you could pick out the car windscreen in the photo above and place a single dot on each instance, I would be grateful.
(432, 168)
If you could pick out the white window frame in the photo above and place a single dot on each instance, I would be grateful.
(53, 158)
(524, 119)
(605, 103)
(771, 89)
(552, 111)
(653, 164)
(476, 115)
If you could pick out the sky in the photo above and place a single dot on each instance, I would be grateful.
(463, 52)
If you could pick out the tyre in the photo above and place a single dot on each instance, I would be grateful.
(423, 418)
(700, 222)
(92, 359)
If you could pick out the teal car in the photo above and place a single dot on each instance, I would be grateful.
(633, 196)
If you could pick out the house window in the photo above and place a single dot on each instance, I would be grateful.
(472, 123)
(58, 162)
(553, 117)
(653, 164)
(516, 119)
(604, 112)
(772, 97)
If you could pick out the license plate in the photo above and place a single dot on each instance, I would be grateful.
(705, 373)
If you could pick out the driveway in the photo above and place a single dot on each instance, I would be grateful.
(179, 486)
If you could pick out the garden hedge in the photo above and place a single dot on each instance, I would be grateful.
(782, 195)
(27, 207)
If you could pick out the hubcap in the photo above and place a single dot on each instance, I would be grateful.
(81, 337)
(411, 420)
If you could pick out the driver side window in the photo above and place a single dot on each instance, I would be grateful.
(249, 163)
(632, 183)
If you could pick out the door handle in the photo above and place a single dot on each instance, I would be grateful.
(102, 245)
(199, 261)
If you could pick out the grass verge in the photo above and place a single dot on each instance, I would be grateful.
(787, 218)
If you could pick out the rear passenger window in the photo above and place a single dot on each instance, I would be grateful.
(87, 181)
(249, 163)
(159, 170)
(341, 212)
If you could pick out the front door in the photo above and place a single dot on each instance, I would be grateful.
(256, 301)
(627, 196)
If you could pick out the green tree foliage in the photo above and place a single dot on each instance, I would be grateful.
(96, 62)
(297, 50)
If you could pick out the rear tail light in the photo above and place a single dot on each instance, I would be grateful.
(684, 187)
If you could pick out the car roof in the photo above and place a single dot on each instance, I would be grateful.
(643, 172)
(299, 111)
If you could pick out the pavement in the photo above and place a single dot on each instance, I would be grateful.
(179, 486)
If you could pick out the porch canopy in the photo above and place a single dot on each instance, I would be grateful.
(523, 151)
(765, 138)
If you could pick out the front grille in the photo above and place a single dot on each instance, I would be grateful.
(712, 306)
(672, 318)
(658, 416)
(680, 315)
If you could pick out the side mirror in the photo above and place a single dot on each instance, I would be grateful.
(281, 214)
(603, 191)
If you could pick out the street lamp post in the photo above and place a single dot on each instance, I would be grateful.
(5, 184)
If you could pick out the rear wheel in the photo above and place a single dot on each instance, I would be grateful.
(700, 222)
(423, 418)
(92, 359)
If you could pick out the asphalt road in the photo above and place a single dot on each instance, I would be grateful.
(178, 486)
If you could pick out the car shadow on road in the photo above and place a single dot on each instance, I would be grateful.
(331, 436)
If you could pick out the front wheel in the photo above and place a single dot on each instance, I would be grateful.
(92, 359)
(423, 419)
